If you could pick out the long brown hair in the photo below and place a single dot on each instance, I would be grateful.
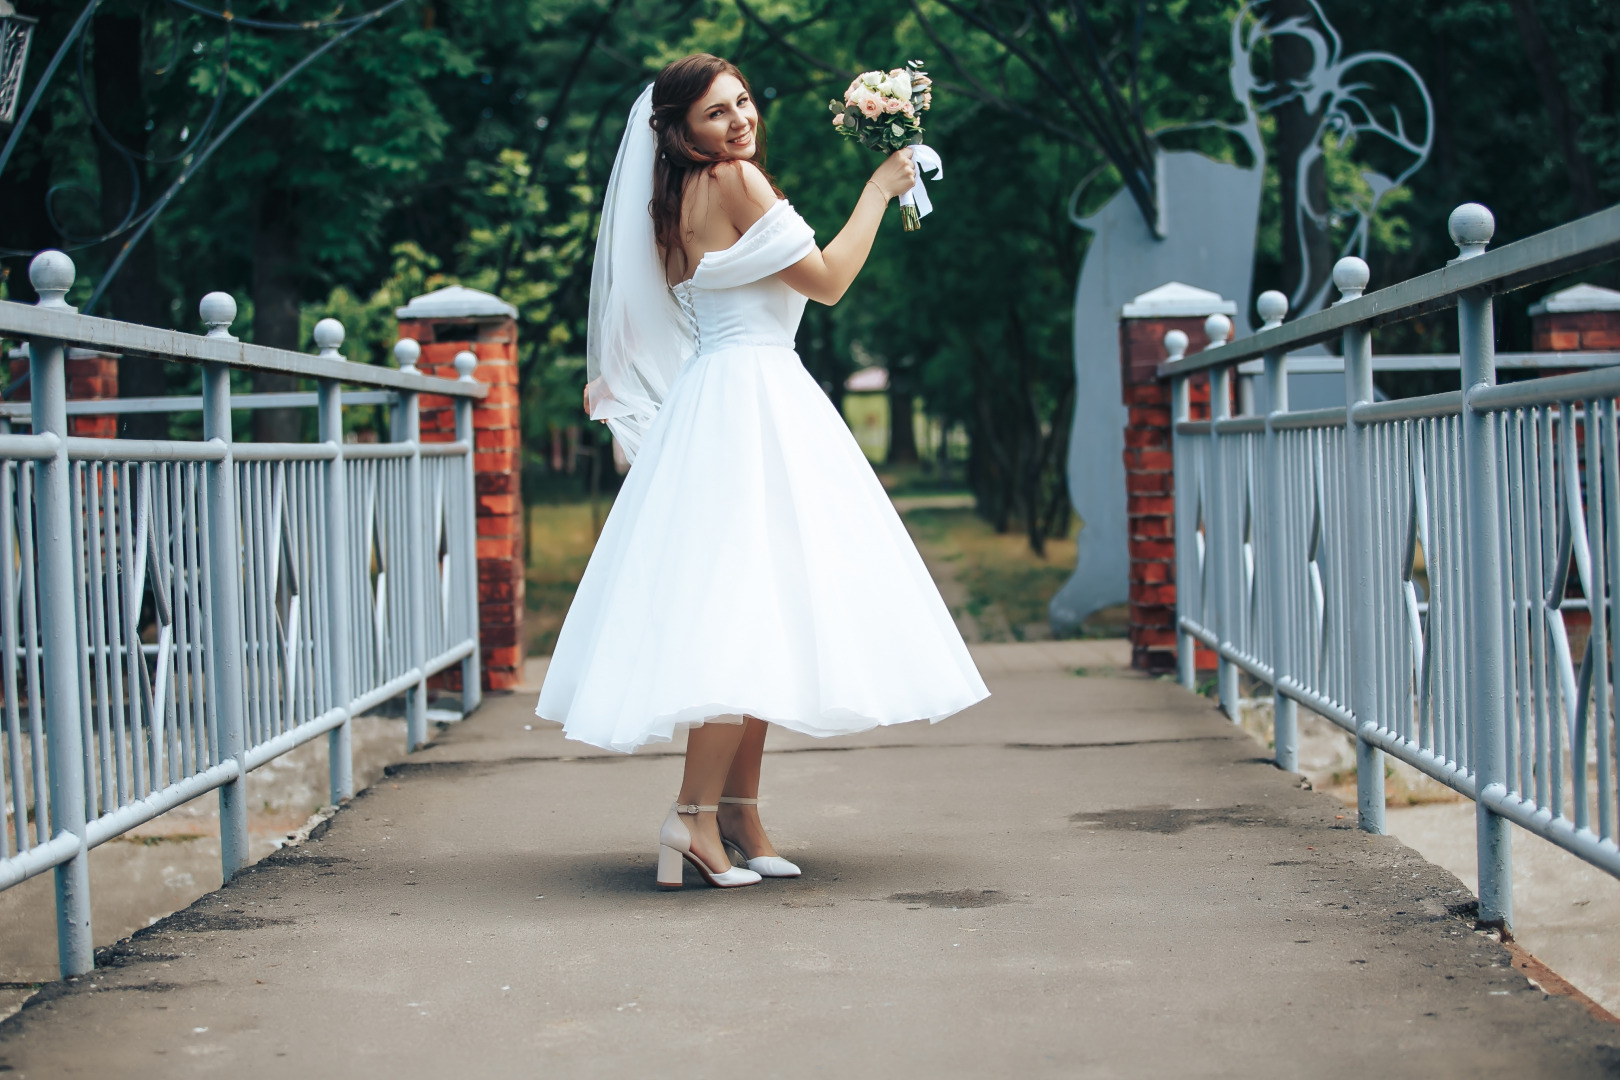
(676, 89)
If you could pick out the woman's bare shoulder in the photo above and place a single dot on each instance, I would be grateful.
(743, 192)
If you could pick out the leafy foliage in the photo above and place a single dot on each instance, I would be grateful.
(470, 143)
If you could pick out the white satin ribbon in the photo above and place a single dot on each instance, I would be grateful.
(927, 159)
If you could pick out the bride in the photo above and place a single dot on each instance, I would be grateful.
(752, 570)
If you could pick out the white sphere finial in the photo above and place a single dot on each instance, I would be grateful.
(406, 351)
(1471, 226)
(218, 311)
(1350, 277)
(1218, 328)
(466, 364)
(52, 273)
(328, 336)
(1175, 343)
(1273, 308)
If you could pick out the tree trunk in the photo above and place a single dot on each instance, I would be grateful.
(902, 429)
(1556, 101)
(1307, 250)
(135, 295)
(275, 308)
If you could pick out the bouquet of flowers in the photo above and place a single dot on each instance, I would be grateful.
(883, 112)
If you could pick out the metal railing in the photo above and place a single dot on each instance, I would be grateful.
(175, 614)
(1420, 571)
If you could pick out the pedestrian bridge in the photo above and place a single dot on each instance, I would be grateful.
(1095, 872)
(1083, 876)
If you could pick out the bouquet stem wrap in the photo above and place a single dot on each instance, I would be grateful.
(915, 204)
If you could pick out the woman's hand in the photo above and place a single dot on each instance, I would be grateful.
(602, 393)
(897, 175)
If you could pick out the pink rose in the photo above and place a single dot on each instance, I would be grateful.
(872, 108)
(893, 105)
(908, 110)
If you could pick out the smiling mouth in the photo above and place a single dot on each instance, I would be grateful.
(742, 140)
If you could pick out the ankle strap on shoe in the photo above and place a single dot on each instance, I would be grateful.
(739, 802)
(694, 809)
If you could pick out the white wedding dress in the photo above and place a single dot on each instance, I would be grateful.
(752, 563)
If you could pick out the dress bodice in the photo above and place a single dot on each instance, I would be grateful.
(735, 298)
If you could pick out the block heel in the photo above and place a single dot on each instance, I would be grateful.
(670, 863)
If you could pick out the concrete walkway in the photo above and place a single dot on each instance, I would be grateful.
(1083, 877)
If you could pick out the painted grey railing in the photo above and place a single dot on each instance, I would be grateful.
(175, 614)
(1412, 570)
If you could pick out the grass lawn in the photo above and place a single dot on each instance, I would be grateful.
(561, 535)
(995, 586)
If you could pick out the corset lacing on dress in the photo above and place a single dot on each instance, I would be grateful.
(683, 297)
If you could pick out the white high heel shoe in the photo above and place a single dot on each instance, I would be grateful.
(765, 865)
(675, 844)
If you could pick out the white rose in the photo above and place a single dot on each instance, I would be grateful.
(899, 85)
(873, 80)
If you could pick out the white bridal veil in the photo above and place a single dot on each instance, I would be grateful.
(637, 339)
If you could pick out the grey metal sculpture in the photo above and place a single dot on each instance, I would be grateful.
(1209, 213)
(16, 33)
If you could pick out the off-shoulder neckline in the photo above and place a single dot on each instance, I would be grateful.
(732, 246)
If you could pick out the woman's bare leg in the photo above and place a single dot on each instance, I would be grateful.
(709, 753)
(741, 823)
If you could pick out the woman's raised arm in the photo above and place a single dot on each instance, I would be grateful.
(825, 275)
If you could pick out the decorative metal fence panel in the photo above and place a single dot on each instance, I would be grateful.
(1432, 574)
(174, 614)
(1310, 550)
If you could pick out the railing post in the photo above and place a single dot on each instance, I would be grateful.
(1350, 275)
(1471, 227)
(1273, 306)
(1218, 327)
(225, 577)
(1175, 343)
(328, 334)
(472, 675)
(408, 429)
(51, 273)
(339, 742)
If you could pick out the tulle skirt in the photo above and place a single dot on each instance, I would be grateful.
(752, 564)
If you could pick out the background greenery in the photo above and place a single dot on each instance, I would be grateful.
(469, 141)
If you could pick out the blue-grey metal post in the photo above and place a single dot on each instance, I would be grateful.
(409, 430)
(472, 688)
(340, 749)
(51, 273)
(1221, 539)
(1471, 228)
(1351, 277)
(225, 620)
(328, 334)
(1273, 306)
(1175, 343)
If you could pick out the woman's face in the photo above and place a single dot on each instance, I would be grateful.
(723, 120)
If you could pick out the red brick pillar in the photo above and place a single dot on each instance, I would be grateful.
(1149, 464)
(1581, 318)
(447, 322)
(91, 376)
